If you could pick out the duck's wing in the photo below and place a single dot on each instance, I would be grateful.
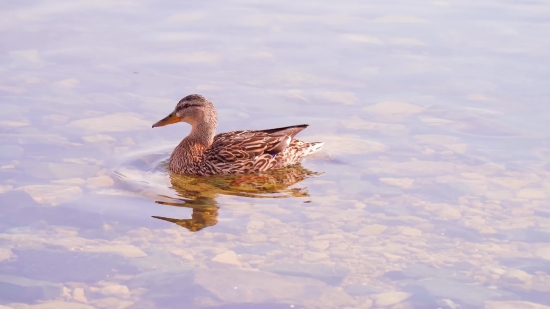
(289, 131)
(247, 145)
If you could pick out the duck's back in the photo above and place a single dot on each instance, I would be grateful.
(254, 151)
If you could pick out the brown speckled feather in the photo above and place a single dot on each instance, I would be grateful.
(256, 151)
(242, 145)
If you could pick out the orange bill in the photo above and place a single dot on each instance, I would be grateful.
(170, 119)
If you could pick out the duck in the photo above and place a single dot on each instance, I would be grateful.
(205, 153)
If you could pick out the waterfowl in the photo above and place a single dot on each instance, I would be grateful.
(204, 153)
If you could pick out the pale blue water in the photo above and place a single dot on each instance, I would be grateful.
(435, 179)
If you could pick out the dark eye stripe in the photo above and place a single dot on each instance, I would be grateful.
(180, 107)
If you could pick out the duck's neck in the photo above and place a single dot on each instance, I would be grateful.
(202, 133)
(192, 147)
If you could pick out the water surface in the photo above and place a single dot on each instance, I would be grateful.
(432, 190)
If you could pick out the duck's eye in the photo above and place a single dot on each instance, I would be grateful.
(180, 107)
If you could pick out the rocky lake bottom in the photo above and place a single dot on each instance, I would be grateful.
(432, 189)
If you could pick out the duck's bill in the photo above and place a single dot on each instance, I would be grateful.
(170, 119)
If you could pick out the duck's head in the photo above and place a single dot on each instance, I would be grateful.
(193, 109)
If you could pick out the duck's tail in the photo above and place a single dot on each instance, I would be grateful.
(313, 147)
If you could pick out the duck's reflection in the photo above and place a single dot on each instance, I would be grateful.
(205, 214)
(199, 193)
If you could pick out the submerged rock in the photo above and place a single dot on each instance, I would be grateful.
(227, 257)
(100, 181)
(52, 194)
(228, 286)
(258, 249)
(129, 251)
(358, 289)
(78, 295)
(473, 295)
(120, 122)
(60, 170)
(331, 274)
(390, 298)
(245, 286)
(57, 304)
(513, 305)
(60, 215)
(157, 261)
(172, 284)
(111, 302)
(419, 271)
(544, 253)
(5, 254)
(21, 289)
(517, 276)
(115, 290)
(98, 138)
(373, 229)
(63, 266)
(15, 199)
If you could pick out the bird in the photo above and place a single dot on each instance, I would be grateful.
(205, 153)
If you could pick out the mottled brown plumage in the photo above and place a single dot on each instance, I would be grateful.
(203, 152)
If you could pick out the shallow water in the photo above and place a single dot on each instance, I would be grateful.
(433, 187)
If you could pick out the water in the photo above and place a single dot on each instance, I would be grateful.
(431, 191)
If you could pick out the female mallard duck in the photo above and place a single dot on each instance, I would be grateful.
(203, 152)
